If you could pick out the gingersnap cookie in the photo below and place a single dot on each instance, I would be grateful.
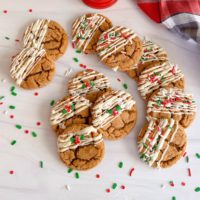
(70, 110)
(155, 76)
(151, 53)
(86, 31)
(162, 142)
(89, 83)
(48, 35)
(172, 103)
(114, 114)
(81, 146)
(119, 48)
(32, 68)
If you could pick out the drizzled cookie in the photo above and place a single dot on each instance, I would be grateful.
(119, 48)
(114, 114)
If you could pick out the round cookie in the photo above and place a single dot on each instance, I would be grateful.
(151, 53)
(86, 31)
(172, 103)
(155, 76)
(89, 83)
(119, 48)
(70, 110)
(114, 114)
(161, 143)
(32, 68)
(80, 146)
(46, 34)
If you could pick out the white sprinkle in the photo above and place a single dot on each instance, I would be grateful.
(3, 80)
(5, 112)
(67, 187)
(68, 72)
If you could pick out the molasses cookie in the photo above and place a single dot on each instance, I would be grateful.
(119, 48)
(88, 83)
(114, 114)
(46, 34)
(86, 31)
(80, 146)
(155, 76)
(70, 110)
(32, 68)
(172, 103)
(161, 143)
(151, 53)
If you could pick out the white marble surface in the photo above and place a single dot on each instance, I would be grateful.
(30, 181)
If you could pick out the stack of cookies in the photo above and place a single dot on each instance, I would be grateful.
(162, 141)
(92, 111)
(44, 42)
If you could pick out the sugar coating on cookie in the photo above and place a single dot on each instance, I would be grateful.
(119, 48)
(86, 30)
(114, 114)
(155, 76)
(31, 68)
(162, 143)
(71, 110)
(88, 82)
(80, 146)
(172, 103)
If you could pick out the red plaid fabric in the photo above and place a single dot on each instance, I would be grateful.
(180, 16)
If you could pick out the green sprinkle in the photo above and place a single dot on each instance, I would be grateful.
(72, 106)
(34, 134)
(125, 86)
(70, 170)
(72, 139)
(77, 175)
(114, 186)
(121, 164)
(12, 107)
(18, 126)
(169, 127)
(7, 38)
(197, 155)
(83, 86)
(82, 137)
(12, 88)
(64, 111)
(173, 198)
(2, 97)
(52, 102)
(109, 111)
(197, 189)
(92, 83)
(78, 51)
(75, 59)
(145, 145)
(41, 164)
(14, 93)
(118, 108)
(187, 159)
(13, 142)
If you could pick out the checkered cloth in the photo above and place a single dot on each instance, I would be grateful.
(180, 16)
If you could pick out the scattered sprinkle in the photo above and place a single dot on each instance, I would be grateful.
(34, 134)
(197, 189)
(108, 190)
(12, 107)
(189, 172)
(5, 11)
(70, 170)
(11, 172)
(36, 93)
(38, 123)
(123, 187)
(52, 102)
(120, 164)
(125, 86)
(2, 97)
(75, 59)
(114, 186)
(11, 116)
(67, 187)
(13, 142)
(26, 131)
(97, 175)
(13, 92)
(30, 10)
(131, 171)
(18, 126)
(183, 183)
(173, 198)
(41, 164)
(7, 38)
(83, 66)
(78, 51)
(17, 40)
(187, 159)
(77, 175)
(162, 186)
(119, 79)
(3, 80)
(171, 183)
(184, 154)
(197, 155)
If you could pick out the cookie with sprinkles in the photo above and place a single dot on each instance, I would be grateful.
(155, 76)
(151, 53)
(32, 68)
(162, 142)
(172, 103)
(86, 31)
(48, 35)
(80, 146)
(114, 114)
(119, 48)
(89, 83)
(70, 110)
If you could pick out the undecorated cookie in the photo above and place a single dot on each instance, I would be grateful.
(119, 48)
(114, 114)
(155, 76)
(32, 68)
(70, 110)
(88, 83)
(161, 143)
(151, 53)
(81, 146)
(46, 34)
(86, 31)
(172, 103)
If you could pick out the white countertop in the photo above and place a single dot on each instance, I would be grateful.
(29, 181)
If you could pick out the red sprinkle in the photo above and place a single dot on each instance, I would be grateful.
(11, 172)
(5, 11)
(1, 103)
(97, 176)
(30, 10)
(17, 40)
(73, 45)
(11, 116)
(36, 93)
(184, 154)
(122, 187)
(183, 183)
(108, 190)
(38, 123)
(26, 131)
(131, 171)
(83, 66)
(119, 79)
(171, 183)
(189, 172)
